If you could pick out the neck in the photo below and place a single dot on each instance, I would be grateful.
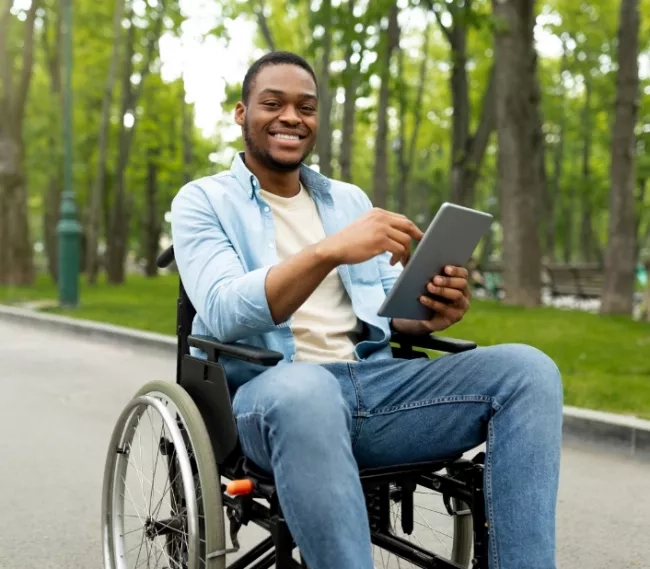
(283, 184)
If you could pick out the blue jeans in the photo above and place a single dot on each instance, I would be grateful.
(314, 426)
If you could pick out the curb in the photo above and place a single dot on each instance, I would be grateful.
(621, 433)
(624, 434)
(89, 328)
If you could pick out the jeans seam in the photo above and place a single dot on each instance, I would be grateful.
(356, 415)
(249, 414)
(436, 401)
(488, 495)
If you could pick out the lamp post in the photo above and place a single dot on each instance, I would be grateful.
(68, 228)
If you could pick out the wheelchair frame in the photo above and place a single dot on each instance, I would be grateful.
(205, 381)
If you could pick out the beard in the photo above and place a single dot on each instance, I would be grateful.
(264, 156)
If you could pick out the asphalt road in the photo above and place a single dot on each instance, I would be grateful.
(61, 394)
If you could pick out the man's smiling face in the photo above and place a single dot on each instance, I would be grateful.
(280, 118)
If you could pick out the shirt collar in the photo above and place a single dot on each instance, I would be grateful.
(312, 180)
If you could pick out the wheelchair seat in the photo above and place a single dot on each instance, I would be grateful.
(240, 466)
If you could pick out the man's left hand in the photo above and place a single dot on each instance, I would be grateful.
(452, 300)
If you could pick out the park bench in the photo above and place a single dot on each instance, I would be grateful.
(583, 280)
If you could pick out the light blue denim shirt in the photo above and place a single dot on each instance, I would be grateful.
(224, 243)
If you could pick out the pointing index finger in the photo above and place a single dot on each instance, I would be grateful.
(404, 224)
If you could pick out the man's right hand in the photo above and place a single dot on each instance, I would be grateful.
(292, 281)
(375, 232)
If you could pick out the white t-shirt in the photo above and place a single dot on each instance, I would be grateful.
(325, 326)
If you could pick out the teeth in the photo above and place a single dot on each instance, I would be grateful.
(287, 136)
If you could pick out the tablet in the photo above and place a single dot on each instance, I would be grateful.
(450, 239)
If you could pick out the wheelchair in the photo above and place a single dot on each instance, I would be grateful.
(207, 490)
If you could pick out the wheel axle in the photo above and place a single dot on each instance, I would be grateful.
(155, 528)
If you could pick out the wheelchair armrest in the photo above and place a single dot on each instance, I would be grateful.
(431, 342)
(251, 354)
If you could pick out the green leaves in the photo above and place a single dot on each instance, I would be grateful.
(355, 32)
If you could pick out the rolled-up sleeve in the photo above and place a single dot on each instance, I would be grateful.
(388, 272)
(231, 302)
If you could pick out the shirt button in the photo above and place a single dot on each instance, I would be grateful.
(267, 209)
(293, 357)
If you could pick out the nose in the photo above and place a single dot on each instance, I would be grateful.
(290, 116)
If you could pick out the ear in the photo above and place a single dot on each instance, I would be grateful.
(240, 113)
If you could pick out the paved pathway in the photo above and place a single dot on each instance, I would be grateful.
(61, 394)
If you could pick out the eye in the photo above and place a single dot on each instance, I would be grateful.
(271, 104)
(308, 109)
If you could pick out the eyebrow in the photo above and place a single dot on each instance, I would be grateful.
(270, 91)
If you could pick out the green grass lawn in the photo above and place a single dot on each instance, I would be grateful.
(146, 304)
(605, 361)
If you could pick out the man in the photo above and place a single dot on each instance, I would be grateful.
(273, 254)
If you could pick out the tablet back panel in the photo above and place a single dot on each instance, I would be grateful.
(450, 239)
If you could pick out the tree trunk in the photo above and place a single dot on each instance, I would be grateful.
(52, 204)
(380, 175)
(93, 227)
(467, 151)
(187, 129)
(349, 119)
(351, 77)
(117, 227)
(515, 77)
(639, 201)
(539, 152)
(16, 253)
(587, 237)
(52, 199)
(16, 256)
(262, 22)
(406, 148)
(477, 144)
(151, 226)
(646, 295)
(324, 135)
(568, 215)
(553, 191)
(119, 221)
(461, 110)
(620, 259)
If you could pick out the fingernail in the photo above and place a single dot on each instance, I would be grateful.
(450, 270)
(439, 280)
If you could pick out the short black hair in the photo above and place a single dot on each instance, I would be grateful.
(273, 58)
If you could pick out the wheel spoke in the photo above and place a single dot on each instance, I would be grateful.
(442, 526)
(168, 528)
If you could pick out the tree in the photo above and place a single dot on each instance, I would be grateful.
(620, 259)
(467, 149)
(92, 260)
(119, 220)
(390, 42)
(406, 147)
(51, 40)
(517, 132)
(16, 255)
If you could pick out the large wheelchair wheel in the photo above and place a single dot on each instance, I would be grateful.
(161, 501)
(433, 530)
